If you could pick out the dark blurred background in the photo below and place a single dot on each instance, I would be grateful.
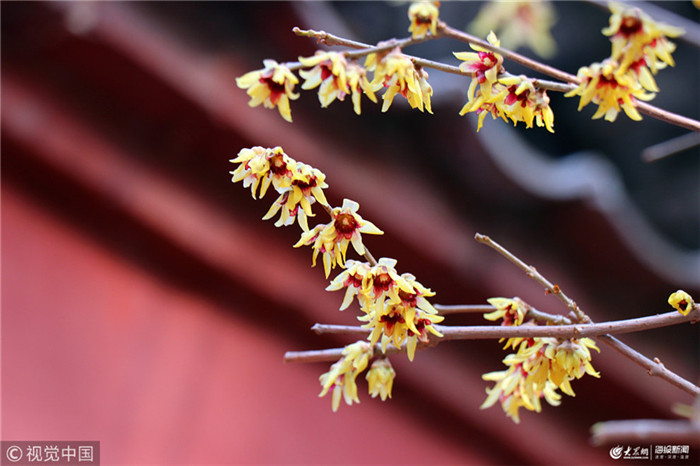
(146, 305)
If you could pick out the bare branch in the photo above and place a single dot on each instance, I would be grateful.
(533, 273)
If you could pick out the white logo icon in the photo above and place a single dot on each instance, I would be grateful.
(14, 453)
(616, 452)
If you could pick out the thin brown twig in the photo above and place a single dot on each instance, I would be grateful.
(654, 368)
(329, 355)
(446, 31)
(533, 273)
(482, 332)
(443, 30)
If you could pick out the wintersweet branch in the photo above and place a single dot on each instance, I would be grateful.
(444, 30)
(366, 49)
(539, 316)
(533, 273)
(654, 368)
(482, 332)
(328, 355)
(645, 430)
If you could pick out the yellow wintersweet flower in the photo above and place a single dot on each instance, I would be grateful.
(484, 67)
(519, 23)
(478, 104)
(571, 359)
(416, 298)
(305, 189)
(682, 302)
(423, 16)
(513, 391)
(352, 278)
(359, 84)
(383, 281)
(392, 321)
(423, 323)
(601, 85)
(343, 374)
(261, 167)
(333, 238)
(397, 73)
(380, 378)
(521, 101)
(272, 86)
(510, 310)
(638, 40)
(323, 244)
(329, 71)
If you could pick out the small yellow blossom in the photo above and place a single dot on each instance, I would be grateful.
(397, 73)
(305, 189)
(273, 86)
(380, 378)
(519, 23)
(682, 302)
(359, 84)
(323, 244)
(573, 359)
(513, 391)
(423, 323)
(261, 167)
(343, 374)
(416, 298)
(424, 17)
(329, 72)
(479, 105)
(601, 85)
(383, 281)
(332, 239)
(484, 66)
(352, 279)
(521, 101)
(638, 40)
(510, 310)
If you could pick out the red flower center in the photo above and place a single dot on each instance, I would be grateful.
(276, 89)
(630, 25)
(408, 298)
(277, 165)
(382, 281)
(345, 224)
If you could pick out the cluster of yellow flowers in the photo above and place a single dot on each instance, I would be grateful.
(640, 48)
(394, 307)
(499, 95)
(538, 367)
(336, 76)
(297, 184)
(343, 374)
